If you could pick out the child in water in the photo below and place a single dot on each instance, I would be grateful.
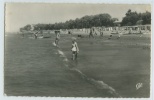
(75, 49)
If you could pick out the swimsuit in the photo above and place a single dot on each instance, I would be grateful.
(74, 47)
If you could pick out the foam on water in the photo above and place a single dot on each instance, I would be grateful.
(99, 84)
(54, 43)
(60, 52)
(79, 72)
(62, 55)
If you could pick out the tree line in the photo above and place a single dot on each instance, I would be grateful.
(134, 18)
(99, 20)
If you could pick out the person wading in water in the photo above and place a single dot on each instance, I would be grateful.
(75, 49)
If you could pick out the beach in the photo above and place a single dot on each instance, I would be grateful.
(104, 67)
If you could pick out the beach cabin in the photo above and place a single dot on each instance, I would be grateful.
(117, 23)
(145, 27)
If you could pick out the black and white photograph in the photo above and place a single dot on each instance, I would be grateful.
(87, 50)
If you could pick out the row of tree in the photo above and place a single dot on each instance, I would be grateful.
(131, 18)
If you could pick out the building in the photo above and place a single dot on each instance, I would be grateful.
(117, 23)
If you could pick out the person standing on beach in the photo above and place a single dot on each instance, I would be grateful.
(35, 35)
(101, 33)
(94, 31)
(57, 37)
(75, 49)
(70, 32)
(91, 33)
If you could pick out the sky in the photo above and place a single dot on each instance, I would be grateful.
(18, 15)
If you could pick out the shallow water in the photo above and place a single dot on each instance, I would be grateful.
(34, 68)
(37, 68)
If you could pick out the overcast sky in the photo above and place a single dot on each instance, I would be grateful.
(20, 14)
